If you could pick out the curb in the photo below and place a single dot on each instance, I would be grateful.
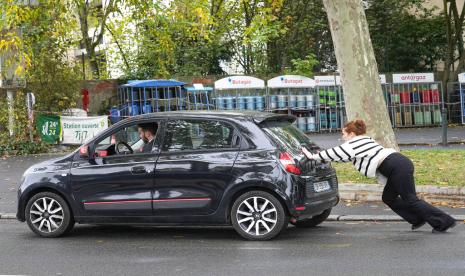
(433, 144)
(430, 193)
(7, 216)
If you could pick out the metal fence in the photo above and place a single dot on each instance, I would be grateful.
(318, 109)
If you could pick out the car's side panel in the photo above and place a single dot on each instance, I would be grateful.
(191, 183)
(116, 188)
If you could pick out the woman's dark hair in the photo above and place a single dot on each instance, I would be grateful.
(356, 126)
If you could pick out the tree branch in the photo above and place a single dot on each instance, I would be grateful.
(119, 47)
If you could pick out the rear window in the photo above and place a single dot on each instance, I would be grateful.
(287, 137)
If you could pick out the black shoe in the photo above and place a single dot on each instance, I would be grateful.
(437, 231)
(418, 225)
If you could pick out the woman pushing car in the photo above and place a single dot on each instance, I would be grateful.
(392, 169)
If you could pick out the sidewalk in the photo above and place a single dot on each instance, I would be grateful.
(406, 137)
(452, 196)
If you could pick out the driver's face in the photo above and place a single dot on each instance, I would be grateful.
(142, 135)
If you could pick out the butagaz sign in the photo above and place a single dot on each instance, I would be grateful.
(239, 82)
(76, 130)
(413, 78)
(290, 81)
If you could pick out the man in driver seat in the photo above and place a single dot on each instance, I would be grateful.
(147, 134)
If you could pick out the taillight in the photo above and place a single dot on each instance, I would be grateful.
(289, 164)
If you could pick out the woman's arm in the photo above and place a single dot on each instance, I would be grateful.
(342, 153)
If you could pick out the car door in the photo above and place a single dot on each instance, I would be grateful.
(116, 182)
(194, 167)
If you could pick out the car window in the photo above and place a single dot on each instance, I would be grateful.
(287, 136)
(199, 135)
(124, 141)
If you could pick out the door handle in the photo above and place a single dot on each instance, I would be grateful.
(138, 170)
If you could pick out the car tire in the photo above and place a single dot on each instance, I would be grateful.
(314, 221)
(48, 215)
(258, 216)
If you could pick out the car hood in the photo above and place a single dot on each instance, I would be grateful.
(54, 164)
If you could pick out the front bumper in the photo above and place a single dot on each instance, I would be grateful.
(20, 207)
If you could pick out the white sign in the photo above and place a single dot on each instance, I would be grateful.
(462, 77)
(382, 78)
(325, 80)
(413, 78)
(76, 130)
(290, 81)
(198, 86)
(239, 82)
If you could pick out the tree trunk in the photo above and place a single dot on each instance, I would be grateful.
(359, 72)
(83, 13)
(450, 50)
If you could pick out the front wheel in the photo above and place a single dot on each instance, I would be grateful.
(314, 221)
(258, 215)
(48, 215)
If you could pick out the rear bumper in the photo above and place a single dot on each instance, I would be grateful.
(316, 205)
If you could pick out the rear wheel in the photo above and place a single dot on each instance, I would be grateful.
(314, 221)
(258, 215)
(48, 215)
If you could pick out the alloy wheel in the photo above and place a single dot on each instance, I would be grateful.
(257, 216)
(46, 214)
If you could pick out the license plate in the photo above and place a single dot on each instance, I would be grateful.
(321, 186)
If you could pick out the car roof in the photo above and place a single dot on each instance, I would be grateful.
(257, 117)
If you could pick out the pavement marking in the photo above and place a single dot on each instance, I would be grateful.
(336, 245)
(259, 248)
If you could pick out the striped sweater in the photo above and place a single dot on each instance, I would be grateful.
(364, 152)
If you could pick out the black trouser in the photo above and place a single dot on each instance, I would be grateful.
(399, 171)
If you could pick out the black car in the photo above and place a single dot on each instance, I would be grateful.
(201, 168)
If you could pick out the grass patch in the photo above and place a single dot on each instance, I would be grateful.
(441, 167)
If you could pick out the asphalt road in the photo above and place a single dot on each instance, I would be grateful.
(334, 248)
(11, 170)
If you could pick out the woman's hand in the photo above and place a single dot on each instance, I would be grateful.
(307, 153)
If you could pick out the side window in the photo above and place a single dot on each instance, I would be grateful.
(132, 139)
(199, 135)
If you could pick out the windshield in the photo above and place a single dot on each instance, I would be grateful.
(288, 137)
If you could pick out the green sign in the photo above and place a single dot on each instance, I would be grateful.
(49, 128)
